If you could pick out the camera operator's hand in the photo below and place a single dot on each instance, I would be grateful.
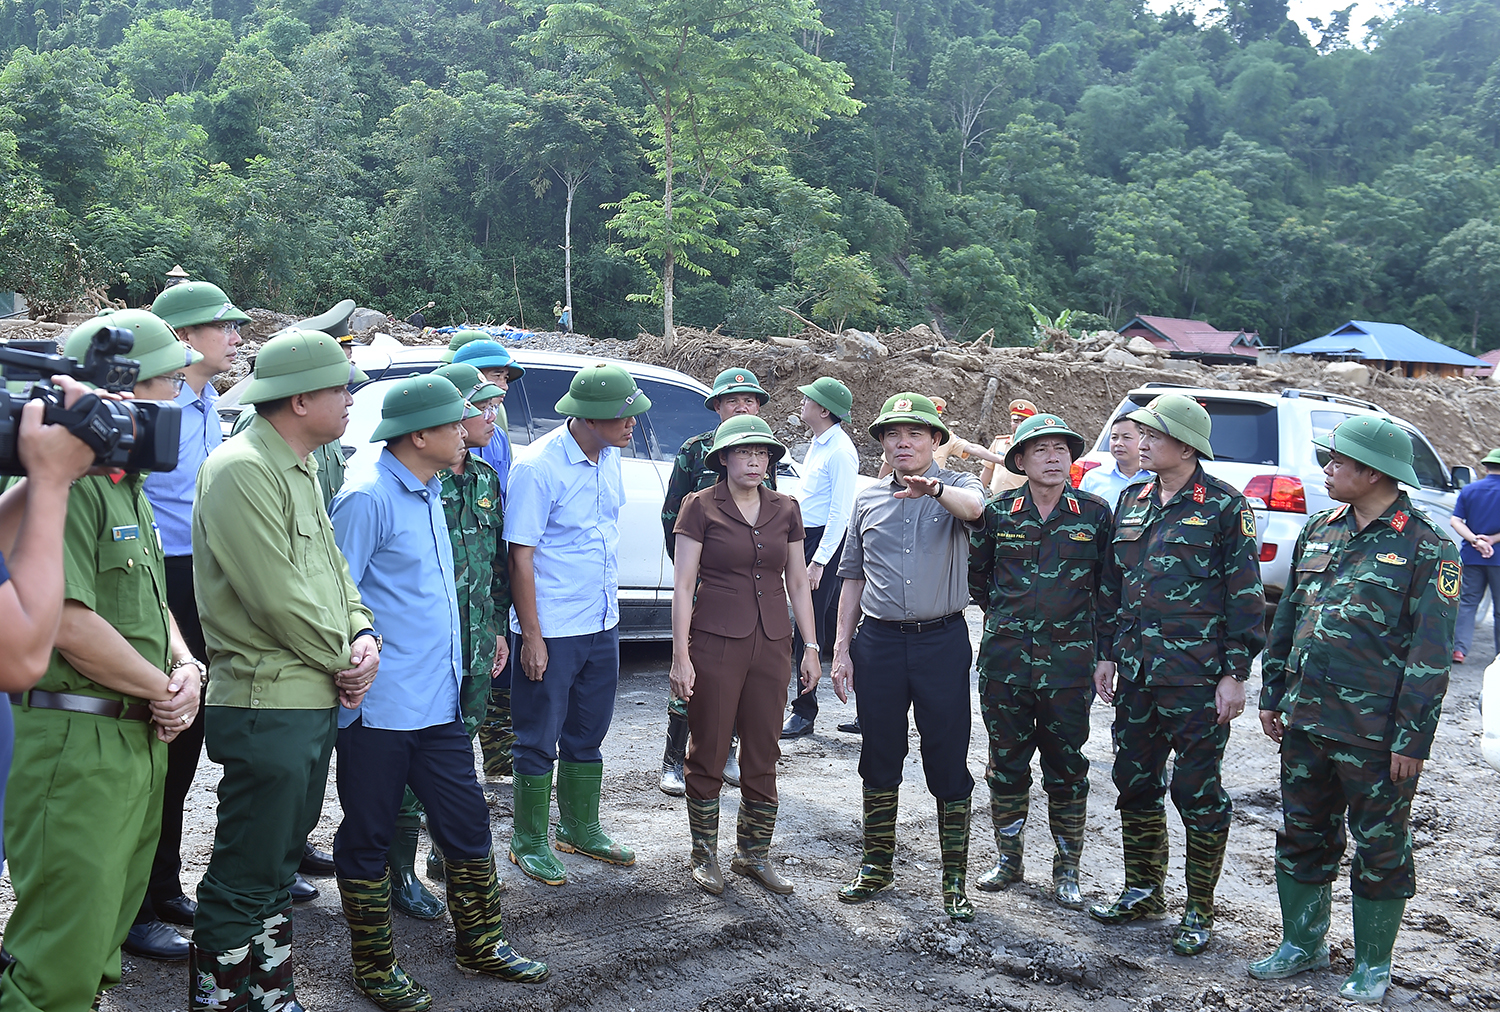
(173, 715)
(51, 453)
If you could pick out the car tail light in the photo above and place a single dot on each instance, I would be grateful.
(1079, 469)
(1268, 551)
(1281, 492)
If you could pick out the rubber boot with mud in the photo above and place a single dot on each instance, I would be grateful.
(1009, 814)
(367, 908)
(953, 841)
(408, 894)
(1305, 913)
(528, 840)
(479, 944)
(578, 829)
(1066, 820)
(496, 735)
(877, 864)
(1145, 850)
(703, 824)
(218, 981)
(1205, 860)
(731, 774)
(672, 781)
(1376, 924)
(752, 853)
(271, 986)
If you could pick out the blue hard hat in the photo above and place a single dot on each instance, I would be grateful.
(488, 355)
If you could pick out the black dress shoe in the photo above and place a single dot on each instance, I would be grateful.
(852, 727)
(796, 726)
(315, 861)
(302, 890)
(177, 910)
(155, 940)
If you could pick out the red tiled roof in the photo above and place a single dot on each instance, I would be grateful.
(1193, 337)
(1493, 358)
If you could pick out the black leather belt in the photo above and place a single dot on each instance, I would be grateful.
(42, 700)
(924, 626)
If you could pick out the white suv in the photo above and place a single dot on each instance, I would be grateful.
(1263, 447)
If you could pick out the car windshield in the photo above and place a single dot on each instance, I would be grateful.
(1244, 432)
(542, 387)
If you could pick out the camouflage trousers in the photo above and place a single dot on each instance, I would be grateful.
(474, 697)
(1321, 780)
(1022, 722)
(1153, 723)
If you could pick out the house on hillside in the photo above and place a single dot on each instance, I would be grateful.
(1197, 340)
(1388, 347)
(1484, 372)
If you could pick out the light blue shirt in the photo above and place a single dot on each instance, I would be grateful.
(827, 493)
(390, 527)
(1108, 483)
(171, 492)
(497, 455)
(568, 508)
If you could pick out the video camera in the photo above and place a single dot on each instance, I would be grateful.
(133, 435)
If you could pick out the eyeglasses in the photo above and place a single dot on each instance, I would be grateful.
(178, 379)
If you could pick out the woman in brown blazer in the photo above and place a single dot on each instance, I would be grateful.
(732, 642)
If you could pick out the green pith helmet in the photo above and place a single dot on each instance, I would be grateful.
(420, 402)
(193, 303)
(831, 395)
(298, 362)
(743, 430)
(470, 383)
(1493, 457)
(1376, 442)
(1034, 428)
(461, 338)
(487, 353)
(1182, 418)
(334, 323)
(157, 348)
(909, 407)
(602, 391)
(735, 381)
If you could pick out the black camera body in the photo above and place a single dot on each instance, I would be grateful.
(132, 435)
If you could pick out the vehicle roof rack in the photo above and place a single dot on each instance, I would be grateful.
(1324, 395)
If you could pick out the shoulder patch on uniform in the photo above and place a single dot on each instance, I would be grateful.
(1391, 558)
(1072, 503)
(1400, 519)
(1247, 523)
(1200, 494)
(1018, 504)
(1449, 578)
(1145, 492)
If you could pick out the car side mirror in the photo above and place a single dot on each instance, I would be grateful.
(1462, 475)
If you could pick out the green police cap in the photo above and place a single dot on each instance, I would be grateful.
(298, 362)
(469, 381)
(487, 353)
(420, 402)
(156, 348)
(334, 323)
(1376, 442)
(744, 430)
(830, 394)
(909, 407)
(735, 381)
(1034, 428)
(603, 391)
(1182, 418)
(192, 303)
(461, 338)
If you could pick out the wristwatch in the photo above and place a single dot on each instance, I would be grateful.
(379, 639)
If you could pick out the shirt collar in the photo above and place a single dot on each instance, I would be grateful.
(571, 449)
(827, 434)
(402, 473)
(932, 469)
(276, 447)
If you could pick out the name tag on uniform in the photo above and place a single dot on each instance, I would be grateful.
(1132, 519)
(127, 533)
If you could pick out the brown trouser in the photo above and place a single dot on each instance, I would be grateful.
(740, 682)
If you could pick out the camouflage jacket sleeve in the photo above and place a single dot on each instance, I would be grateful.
(1433, 609)
(1273, 662)
(982, 559)
(1107, 608)
(679, 486)
(1244, 594)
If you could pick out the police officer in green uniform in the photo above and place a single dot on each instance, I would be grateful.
(1192, 608)
(735, 392)
(1354, 677)
(83, 812)
(1037, 568)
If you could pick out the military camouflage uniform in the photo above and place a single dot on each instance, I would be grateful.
(471, 505)
(1358, 661)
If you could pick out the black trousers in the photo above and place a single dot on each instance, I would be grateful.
(375, 767)
(825, 601)
(182, 752)
(926, 673)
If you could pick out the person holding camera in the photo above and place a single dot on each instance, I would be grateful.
(85, 810)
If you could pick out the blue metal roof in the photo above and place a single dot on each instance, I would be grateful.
(1385, 342)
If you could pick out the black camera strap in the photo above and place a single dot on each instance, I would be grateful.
(89, 419)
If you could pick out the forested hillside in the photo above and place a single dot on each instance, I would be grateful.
(869, 162)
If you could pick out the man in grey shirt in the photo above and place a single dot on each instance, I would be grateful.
(905, 567)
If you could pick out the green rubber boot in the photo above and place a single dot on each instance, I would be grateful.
(496, 736)
(367, 908)
(877, 865)
(953, 841)
(271, 986)
(703, 823)
(1066, 820)
(1009, 813)
(1205, 860)
(1144, 842)
(1376, 924)
(218, 981)
(752, 855)
(578, 829)
(479, 943)
(528, 841)
(408, 894)
(1305, 912)
(435, 870)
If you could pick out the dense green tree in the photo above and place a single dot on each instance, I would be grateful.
(1466, 267)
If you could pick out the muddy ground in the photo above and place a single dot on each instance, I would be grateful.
(645, 938)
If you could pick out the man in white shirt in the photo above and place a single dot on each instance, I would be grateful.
(826, 499)
(1124, 445)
